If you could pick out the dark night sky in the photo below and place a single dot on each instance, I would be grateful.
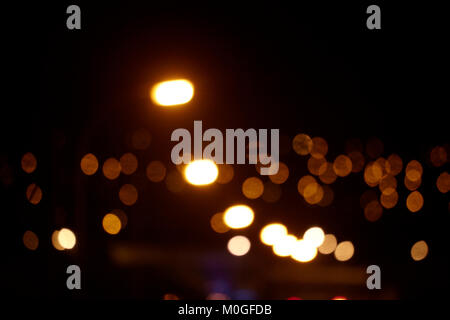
(312, 69)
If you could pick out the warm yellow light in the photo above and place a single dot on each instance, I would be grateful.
(443, 182)
(282, 174)
(316, 165)
(319, 147)
(111, 223)
(30, 240)
(328, 175)
(302, 144)
(313, 193)
(29, 162)
(373, 174)
(329, 244)
(394, 164)
(173, 92)
(342, 165)
(252, 188)
(238, 217)
(388, 184)
(112, 168)
(272, 233)
(304, 251)
(34, 193)
(339, 298)
(66, 238)
(284, 246)
(344, 251)
(304, 182)
(412, 185)
(389, 200)
(414, 202)
(315, 235)
(201, 172)
(217, 223)
(239, 245)
(89, 164)
(419, 250)
(55, 241)
(414, 170)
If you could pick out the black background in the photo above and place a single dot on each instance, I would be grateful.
(301, 68)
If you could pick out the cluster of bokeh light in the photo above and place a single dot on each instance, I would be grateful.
(379, 172)
(382, 175)
(238, 217)
(63, 239)
(304, 249)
